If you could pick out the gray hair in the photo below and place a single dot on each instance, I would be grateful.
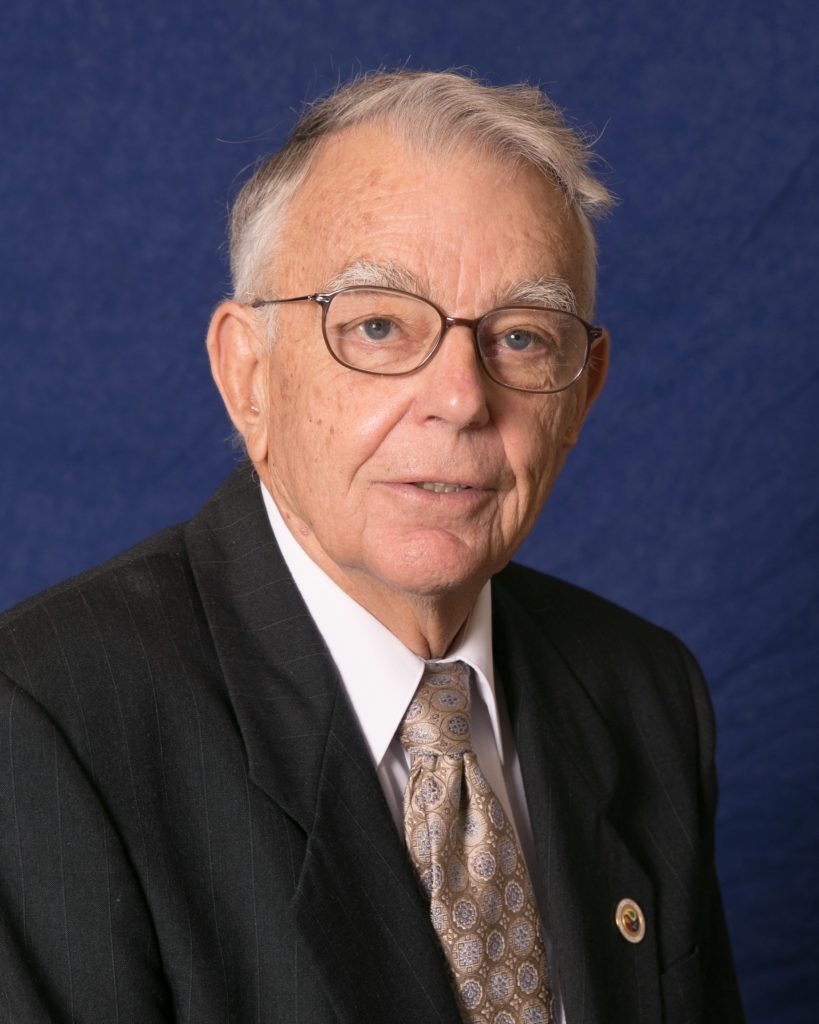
(435, 111)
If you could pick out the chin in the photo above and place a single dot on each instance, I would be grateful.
(430, 569)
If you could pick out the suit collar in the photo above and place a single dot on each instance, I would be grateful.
(380, 674)
(571, 770)
(280, 679)
(356, 902)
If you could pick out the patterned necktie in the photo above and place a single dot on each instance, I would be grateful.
(469, 862)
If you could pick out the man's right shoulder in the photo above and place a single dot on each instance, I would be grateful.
(138, 621)
(135, 559)
(86, 618)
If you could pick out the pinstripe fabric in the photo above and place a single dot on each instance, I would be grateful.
(191, 829)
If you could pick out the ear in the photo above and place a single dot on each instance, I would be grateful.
(594, 378)
(238, 362)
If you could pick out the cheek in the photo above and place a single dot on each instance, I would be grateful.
(353, 416)
(536, 449)
(297, 428)
(325, 428)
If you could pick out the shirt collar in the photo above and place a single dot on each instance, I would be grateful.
(379, 673)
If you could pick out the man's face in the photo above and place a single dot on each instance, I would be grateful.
(347, 453)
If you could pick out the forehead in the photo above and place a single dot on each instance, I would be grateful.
(465, 226)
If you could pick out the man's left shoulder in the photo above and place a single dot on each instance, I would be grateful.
(608, 646)
(548, 599)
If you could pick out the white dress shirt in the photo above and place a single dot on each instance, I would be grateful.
(380, 675)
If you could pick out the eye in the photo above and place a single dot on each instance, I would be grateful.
(526, 342)
(377, 328)
(520, 340)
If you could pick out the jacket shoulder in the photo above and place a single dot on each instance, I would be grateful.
(555, 602)
(87, 620)
(627, 665)
(166, 542)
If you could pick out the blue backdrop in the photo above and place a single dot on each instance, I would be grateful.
(693, 497)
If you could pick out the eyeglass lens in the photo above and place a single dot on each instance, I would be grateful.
(386, 332)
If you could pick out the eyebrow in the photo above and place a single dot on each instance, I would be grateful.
(375, 275)
(552, 291)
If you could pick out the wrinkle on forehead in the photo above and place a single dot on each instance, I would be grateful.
(375, 212)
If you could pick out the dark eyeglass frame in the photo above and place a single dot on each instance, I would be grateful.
(324, 299)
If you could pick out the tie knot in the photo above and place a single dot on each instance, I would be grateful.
(437, 720)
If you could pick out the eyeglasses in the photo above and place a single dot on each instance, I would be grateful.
(388, 332)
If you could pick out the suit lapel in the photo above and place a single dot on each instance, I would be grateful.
(356, 904)
(358, 899)
(569, 764)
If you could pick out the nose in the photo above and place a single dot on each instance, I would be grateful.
(453, 385)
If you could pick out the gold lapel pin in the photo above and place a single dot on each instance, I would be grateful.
(630, 921)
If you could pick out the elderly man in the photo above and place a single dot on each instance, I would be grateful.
(322, 754)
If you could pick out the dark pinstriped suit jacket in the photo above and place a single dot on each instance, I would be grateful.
(192, 829)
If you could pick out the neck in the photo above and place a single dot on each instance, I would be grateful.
(425, 623)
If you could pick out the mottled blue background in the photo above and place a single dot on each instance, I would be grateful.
(693, 498)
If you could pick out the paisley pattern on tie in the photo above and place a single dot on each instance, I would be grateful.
(469, 862)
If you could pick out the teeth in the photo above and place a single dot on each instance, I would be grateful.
(437, 488)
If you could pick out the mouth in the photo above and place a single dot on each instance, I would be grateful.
(440, 488)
